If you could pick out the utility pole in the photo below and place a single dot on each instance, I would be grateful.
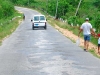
(78, 7)
(56, 10)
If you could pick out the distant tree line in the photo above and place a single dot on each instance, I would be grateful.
(22, 2)
(66, 9)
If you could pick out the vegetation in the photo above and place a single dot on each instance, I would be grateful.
(67, 10)
(94, 53)
(6, 9)
(7, 13)
(8, 28)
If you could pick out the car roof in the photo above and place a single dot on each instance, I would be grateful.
(38, 15)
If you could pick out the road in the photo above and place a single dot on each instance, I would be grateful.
(43, 52)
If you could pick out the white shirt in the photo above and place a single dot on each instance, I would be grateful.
(99, 40)
(86, 28)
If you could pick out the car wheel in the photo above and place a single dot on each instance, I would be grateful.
(45, 27)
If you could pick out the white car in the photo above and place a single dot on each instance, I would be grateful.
(39, 21)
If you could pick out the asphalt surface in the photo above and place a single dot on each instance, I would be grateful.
(43, 52)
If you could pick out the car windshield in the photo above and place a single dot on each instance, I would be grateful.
(36, 18)
(42, 18)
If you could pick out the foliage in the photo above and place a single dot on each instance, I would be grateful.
(97, 4)
(64, 5)
(72, 19)
(97, 23)
(6, 9)
(22, 2)
(67, 9)
(51, 7)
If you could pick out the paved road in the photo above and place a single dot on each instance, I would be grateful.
(43, 52)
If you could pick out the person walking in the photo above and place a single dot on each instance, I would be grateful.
(99, 43)
(98, 36)
(86, 27)
(23, 17)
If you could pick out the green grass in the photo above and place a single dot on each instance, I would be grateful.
(93, 53)
(7, 28)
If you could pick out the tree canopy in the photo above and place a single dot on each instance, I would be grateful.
(66, 9)
(6, 9)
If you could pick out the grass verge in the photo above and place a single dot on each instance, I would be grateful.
(9, 27)
(94, 53)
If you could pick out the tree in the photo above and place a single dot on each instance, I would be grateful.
(62, 8)
(97, 23)
(52, 7)
(97, 4)
(22, 2)
(6, 9)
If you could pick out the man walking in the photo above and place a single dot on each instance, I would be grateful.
(87, 29)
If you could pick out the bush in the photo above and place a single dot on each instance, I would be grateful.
(72, 19)
(6, 9)
(97, 23)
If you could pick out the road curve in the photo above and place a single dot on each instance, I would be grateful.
(43, 52)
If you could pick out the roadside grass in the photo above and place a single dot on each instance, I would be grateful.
(9, 27)
(94, 53)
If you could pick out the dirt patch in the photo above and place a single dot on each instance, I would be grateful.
(72, 36)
